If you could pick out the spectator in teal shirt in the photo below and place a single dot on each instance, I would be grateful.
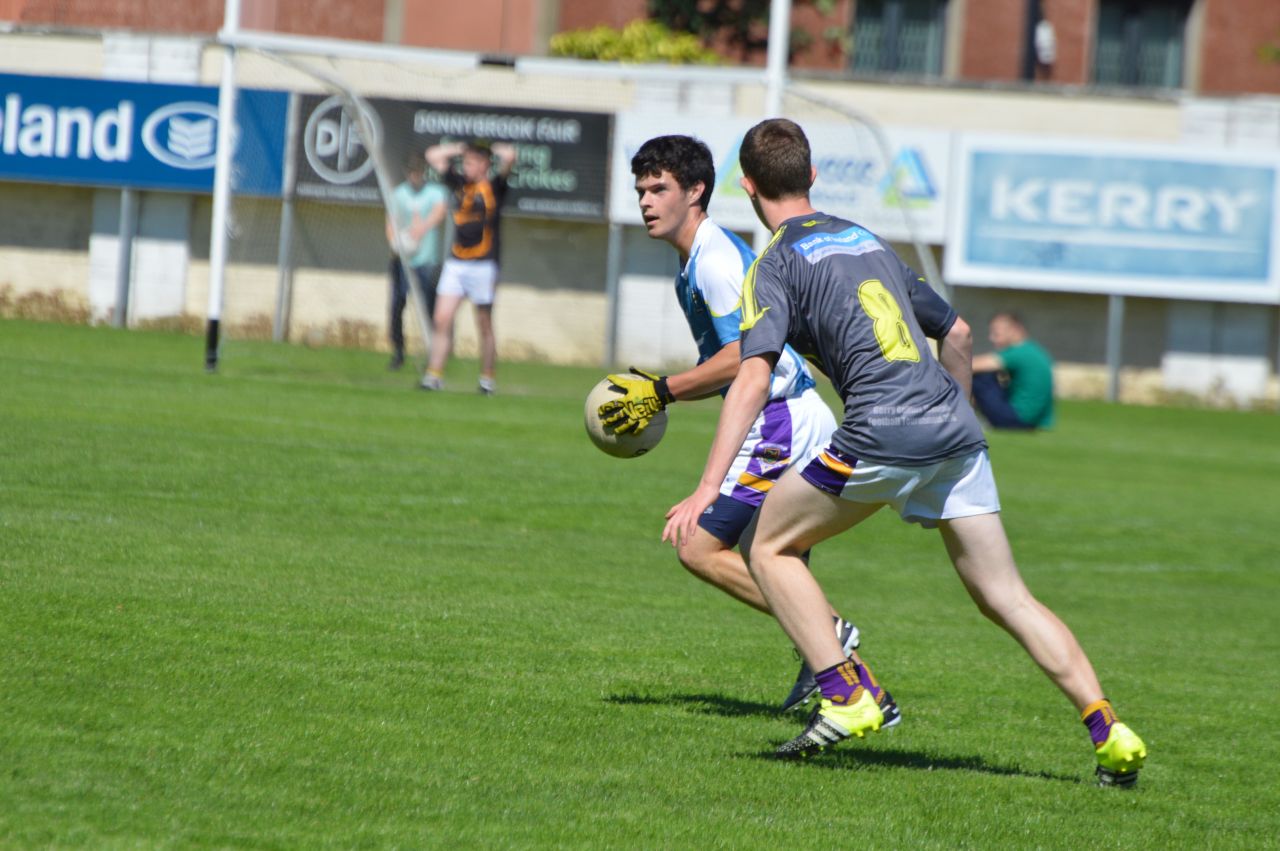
(418, 206)
(1013, 386)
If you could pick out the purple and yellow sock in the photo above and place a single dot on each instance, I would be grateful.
(868, 681)
(1098, 717)
(841, 683)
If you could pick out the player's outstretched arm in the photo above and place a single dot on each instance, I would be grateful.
(955, 353)
(989, 362)
(710, 376)
(645, 396)
(747, 396)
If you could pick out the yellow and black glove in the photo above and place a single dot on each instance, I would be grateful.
(643, 399)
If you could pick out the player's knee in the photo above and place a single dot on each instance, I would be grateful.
(696, 559)
(765, 554)
(1002, 605)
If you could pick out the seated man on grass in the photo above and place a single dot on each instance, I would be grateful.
(1013, 386)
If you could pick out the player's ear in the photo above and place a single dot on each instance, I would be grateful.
(748, 186)
(813, 174)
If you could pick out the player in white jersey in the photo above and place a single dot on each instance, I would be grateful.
(674, 177)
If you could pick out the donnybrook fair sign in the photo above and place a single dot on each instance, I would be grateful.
(560, 167)
(1131, 220)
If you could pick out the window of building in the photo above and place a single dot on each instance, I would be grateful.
(899, 36)
(1141, 42)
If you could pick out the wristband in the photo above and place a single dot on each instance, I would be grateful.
(665, 396)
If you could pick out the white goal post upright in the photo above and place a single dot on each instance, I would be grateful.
(775, 81)
(222, 183)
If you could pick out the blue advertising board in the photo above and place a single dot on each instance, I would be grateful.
(140, 135)
(1159, 221)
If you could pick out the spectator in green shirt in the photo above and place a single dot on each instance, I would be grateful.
(1013, 386)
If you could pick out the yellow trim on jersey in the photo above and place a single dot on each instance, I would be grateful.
(736, 306)
(759, 483)
(751, 312)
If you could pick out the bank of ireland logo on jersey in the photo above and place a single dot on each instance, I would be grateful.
(183, 135)
(852, 241)
(334, 144)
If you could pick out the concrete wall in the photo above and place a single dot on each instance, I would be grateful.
(552, 304)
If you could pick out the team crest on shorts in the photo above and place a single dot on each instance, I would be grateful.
(772, 456)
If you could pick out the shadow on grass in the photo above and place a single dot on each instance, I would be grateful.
(847, 758)
(708, 704)
(850, 758)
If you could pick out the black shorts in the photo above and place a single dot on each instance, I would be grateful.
(727, 519)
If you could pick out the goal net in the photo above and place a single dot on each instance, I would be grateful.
(580, 282)
(312, 264)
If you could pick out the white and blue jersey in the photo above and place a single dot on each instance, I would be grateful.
(709, 290)
(794, 423)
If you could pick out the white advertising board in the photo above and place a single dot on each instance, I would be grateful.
(854, 179)
(1142, 220)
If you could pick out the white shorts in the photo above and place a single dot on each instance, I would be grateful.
(474, 279)
(787, 430)
(956, 487)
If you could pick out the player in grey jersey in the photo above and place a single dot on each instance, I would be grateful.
(835, 292)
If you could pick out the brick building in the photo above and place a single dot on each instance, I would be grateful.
(1207, 47)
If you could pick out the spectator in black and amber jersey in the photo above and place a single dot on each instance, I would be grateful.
(471, 266)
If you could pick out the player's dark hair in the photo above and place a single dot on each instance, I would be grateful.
(775, 155)
(686, 158)
(479, 146)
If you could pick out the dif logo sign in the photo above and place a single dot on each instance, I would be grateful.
(334, 144)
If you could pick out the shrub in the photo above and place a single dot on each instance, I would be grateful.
(638, 41)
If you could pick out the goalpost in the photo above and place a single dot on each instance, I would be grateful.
(311, 266)
(253, 240)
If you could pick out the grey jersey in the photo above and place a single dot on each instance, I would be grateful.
(842, 298)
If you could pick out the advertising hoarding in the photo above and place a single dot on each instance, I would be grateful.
(854, 179)
(560, 171)
(140, 135)
(1147, 220)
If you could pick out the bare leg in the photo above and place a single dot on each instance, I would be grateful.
(713, 561)
(442, 339)
(794, 518)
(980, 552)
(488, 346)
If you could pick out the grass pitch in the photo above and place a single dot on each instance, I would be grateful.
(298, 604)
